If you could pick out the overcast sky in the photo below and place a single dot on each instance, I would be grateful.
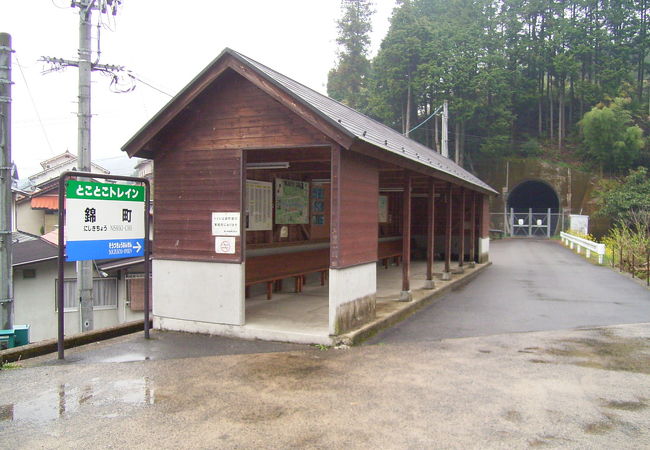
(164, 42)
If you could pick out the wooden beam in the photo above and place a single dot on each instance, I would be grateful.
(430, 233)
(472, 249)
(335, 206)
(406, 238)
(449, 223)
(461, 232)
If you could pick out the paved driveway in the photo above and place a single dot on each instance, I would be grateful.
(533, 285)
(560, 389)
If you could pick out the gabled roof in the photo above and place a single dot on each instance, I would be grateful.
(347, 121)
(30, 249)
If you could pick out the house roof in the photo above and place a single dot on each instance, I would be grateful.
(346, 120)
(28, 249)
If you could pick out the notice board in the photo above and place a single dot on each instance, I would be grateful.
(291, 202)
(259, 205)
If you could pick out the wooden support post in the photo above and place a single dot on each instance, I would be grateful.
(461, 232)
(446, 275)
(405, 295)
(472, 239)
(429, 284)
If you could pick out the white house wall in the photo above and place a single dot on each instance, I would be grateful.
(34, 301)
(30, 220)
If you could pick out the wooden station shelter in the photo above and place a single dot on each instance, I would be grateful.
(260, 180)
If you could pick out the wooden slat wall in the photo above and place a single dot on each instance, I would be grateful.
(355, 190)
(185, 198)
(233, 113)
(199, 163)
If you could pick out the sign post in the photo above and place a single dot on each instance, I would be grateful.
(102, 221)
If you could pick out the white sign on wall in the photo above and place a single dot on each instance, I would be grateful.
(225, 223)
(224, 245)
(259, 205)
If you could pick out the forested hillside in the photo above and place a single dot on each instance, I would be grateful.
(522, 77)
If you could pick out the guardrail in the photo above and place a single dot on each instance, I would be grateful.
(581, 243)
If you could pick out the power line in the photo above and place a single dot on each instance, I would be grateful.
(31, 97)
(149, 85)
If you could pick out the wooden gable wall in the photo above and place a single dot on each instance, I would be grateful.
(199, 163)
(355, 191)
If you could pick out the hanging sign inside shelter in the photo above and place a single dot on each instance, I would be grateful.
(225, 223)
(104, 220)
(291, 202)
(259, 205)
(383, 209)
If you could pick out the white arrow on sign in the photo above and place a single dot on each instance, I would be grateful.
(137, 246)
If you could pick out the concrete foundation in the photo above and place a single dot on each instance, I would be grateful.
(190, 295)
(352, 297)
(429, 284)
(483, 250)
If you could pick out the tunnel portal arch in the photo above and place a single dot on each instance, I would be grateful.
(535, 194)
(529, 204)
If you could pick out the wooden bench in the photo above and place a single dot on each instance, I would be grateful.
(272, 269)
(388, 250)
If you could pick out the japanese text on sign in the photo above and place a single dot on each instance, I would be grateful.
(225, 223)
(104, 191)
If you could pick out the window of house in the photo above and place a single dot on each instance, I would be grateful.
(104, 294)
(135, 291)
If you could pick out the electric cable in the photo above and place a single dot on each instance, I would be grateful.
(31, 97)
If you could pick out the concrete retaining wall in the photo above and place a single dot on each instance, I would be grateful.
(197, 292)
(352, 297)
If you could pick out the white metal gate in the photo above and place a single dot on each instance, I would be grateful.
(530, 223)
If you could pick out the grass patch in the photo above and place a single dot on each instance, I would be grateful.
(10, 366)
(626, 405)
(601, 427)
(610, 353)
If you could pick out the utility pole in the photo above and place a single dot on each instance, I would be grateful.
(6, 270)
(84, 268)
(86, 67)
(445, 141)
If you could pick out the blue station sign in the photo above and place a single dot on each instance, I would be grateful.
(104, 221)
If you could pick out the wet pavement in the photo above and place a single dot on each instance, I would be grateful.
(559, 389)
(533, 285)
(587, 388)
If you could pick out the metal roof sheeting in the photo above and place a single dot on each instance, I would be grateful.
(349, 121)
(363, 127)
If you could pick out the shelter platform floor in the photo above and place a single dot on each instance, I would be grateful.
(303, 318)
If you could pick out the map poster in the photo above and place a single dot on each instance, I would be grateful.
(291, 202)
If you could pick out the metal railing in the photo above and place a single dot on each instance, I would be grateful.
(629, 262)
(580, 243)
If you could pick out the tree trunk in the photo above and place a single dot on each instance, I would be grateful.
(540, 98)
(462, 144)
(560, 113)
(551, 123)
(571, 101)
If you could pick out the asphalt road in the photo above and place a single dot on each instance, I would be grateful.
(586, 388)
(533, 285)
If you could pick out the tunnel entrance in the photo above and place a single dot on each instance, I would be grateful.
(533, 209)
